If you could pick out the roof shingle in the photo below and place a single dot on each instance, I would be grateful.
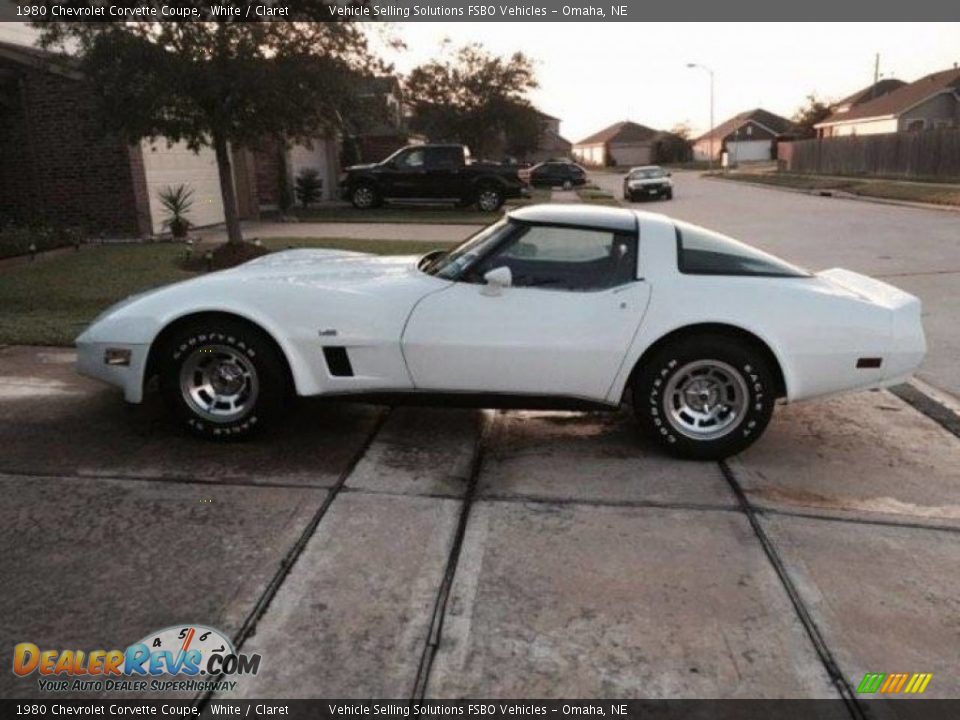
(625, 131)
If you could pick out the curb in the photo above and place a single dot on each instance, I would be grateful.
(915, 394)
(842, 195)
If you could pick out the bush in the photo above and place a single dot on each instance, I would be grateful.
(177, 201)
(309, 186)
(18, 239)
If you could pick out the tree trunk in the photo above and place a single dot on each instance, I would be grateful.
(230, 214)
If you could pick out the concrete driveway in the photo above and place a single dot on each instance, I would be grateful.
(366, 552)
(915, 249)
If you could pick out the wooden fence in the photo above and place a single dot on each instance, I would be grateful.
(925, 155)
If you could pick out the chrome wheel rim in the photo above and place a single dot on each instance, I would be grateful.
(219, 383)
(488, 200)
(567, 184)
(705, 399)
(363, 197)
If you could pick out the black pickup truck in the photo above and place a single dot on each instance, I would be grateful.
(434, 173)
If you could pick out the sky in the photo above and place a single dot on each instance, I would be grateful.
(594, 74)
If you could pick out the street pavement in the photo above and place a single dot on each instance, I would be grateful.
(915, 249)
(412, 552)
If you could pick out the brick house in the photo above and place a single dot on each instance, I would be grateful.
(750, 136)
(57, 167)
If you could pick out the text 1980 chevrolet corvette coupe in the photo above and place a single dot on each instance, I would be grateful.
(552, 306)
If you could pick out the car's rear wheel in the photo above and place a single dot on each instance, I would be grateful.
(567, 184)
(668, 195)
(365, 196)
(705, 398)
(222, 378)
(489, 198)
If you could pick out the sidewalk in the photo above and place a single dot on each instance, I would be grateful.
(361, 231)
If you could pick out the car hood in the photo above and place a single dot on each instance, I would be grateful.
(323, 267)
(362, 166)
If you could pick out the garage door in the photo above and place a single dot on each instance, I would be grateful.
(747, 150)
(178, 164)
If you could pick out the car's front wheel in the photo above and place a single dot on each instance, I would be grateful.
(222, 379)
(705, 398)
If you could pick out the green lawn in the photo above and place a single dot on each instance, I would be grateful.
(935, 193)
(49, 302)
(594, 195)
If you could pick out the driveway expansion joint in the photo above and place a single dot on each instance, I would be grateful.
(853, 520)
(588, 502)
(435, 633)
(839, 680)
(249, 626)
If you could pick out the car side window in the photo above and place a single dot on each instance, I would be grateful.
(703, 252)
(413, 159)
(444, 157)
(562, 258)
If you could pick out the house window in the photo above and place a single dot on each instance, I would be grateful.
(916, 125)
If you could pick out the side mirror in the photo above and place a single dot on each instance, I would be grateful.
(669, 174)
(497, 279)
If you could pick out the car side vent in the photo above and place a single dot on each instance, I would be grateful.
(338, 361)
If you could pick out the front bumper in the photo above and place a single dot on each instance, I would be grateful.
(649, 189)
(91, 362)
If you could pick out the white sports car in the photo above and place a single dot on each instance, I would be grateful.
(560, 306)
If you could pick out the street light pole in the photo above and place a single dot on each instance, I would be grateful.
(710, 72)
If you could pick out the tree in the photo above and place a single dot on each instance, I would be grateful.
(808, 115)
(476, 98)
(675, 146)
(222, 83)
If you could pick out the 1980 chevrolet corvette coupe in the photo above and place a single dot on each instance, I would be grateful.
(552, 306)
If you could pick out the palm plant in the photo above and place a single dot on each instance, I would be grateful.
(177, 201)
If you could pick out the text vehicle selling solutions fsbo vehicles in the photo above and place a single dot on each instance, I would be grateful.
(550, 306)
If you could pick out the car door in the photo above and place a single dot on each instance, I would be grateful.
(444, 173)
(561, 328)
(406, 175)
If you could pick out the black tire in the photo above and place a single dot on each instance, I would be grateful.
(365, 196)
(489, 198)
(261, 389)
(660, 402)
(668, 194)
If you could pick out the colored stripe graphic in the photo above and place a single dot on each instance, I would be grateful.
(908, 683)
(870, 683)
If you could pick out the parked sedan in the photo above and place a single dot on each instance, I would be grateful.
(649, 181)
(557, 174)
(568, 306)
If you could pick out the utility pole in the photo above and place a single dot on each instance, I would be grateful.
(876, 75)
(704, 67)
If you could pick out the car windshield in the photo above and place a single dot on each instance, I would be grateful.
(450, 265)
(644, 173)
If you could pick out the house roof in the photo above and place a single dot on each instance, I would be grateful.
(901, 99)
(871, 92)
(766, 119)
(625, 131)
(35, 57)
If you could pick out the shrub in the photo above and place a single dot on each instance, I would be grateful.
(309, 186)
(177, 201)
